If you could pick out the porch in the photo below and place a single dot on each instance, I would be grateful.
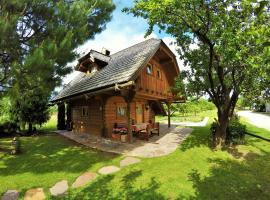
(167, 142)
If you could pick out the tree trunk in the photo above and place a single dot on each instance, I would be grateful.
(30, 128)
(221, 131)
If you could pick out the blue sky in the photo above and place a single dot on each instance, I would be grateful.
(121, 32)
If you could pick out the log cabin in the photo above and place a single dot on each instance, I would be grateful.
(126, 87)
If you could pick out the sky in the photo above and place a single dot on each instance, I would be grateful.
(121, 32)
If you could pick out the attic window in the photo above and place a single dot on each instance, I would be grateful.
(149, 69)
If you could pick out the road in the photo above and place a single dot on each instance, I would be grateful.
(258, 119)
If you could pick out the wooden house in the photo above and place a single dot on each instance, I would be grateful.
(126, 87)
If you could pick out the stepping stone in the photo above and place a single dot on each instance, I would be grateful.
(84, 179)
(11, 195)
(34, 194)
(108, 170)
(59, 188)
(129, 161)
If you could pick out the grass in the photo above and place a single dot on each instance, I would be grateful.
(46, 160)
(50, 125)
(177, 117)
(193, 171)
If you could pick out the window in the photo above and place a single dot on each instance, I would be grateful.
(121, 111)
(149, 70)
(84, 111)
(158, 74)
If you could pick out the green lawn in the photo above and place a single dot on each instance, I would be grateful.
(46, 160)
(177, 117)
(193, 171)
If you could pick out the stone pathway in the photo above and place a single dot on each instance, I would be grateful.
(129, 161)
(193, 124)
(84, 179)
(59, 189)
(34, 194)
(11, 195)
(108, 169)
(164, 144)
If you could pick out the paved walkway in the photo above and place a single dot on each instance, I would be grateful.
(258, 119)
(199, 124)
(164, 144)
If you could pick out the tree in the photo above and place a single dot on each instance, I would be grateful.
(38, 39)
(45, 33)
(225, 43)
(31, 108)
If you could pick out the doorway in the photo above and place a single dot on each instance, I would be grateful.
(139, 113)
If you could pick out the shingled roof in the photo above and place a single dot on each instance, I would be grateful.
(120, 69)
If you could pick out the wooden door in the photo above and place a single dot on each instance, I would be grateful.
(139, 113)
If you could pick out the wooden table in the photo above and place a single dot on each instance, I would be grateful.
(141, 130)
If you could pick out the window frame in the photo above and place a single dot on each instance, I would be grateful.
(149, 66)
(124, 110)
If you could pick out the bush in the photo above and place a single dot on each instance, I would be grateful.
(235, 131)
(8, 128)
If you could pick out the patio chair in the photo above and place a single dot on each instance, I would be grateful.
(155, 128)
(146, 132)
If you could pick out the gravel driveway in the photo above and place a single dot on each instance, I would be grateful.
(257, 119)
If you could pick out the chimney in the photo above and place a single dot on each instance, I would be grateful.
(105, 51)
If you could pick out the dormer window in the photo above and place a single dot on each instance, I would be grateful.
(149, 69)
(93, 70)
(93, 61)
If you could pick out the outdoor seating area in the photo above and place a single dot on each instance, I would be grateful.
(165, 141)
(139, 130)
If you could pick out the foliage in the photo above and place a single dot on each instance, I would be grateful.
(7, 128)
(192, 107)
(224, 42)
(5, 106)
(236, 131)
(61, 123)
(31, 107)
(243, 103)
(38, 37)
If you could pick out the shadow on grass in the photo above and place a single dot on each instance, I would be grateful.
(45, 154)
(231, 179)
(104, 189)
(198, 137)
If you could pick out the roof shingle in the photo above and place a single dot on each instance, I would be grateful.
(121, 67)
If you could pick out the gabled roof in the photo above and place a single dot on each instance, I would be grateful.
(120, 69)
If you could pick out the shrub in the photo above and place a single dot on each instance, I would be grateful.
(235, 131)
(8, 128)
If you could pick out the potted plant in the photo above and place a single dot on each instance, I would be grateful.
(116, 134)
(124, 135)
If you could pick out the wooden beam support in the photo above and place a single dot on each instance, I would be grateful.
(104, 132)
(128, 96)
(169, 113)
